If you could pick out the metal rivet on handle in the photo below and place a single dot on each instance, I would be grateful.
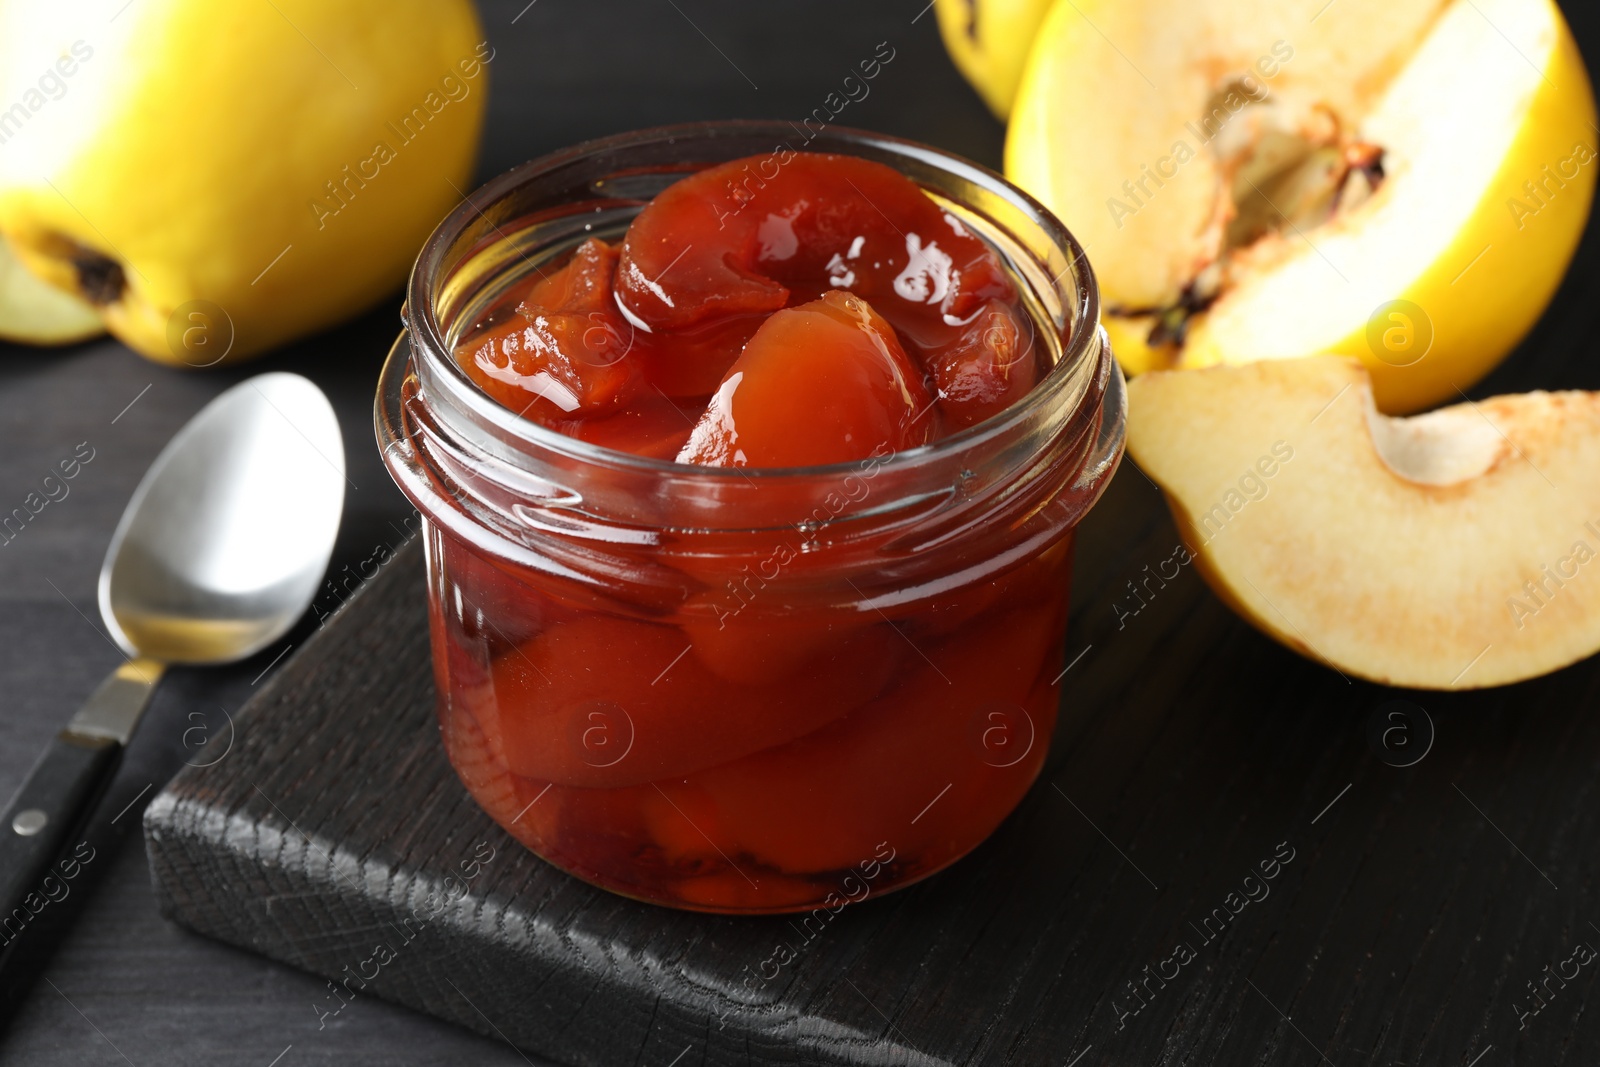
(27, 823)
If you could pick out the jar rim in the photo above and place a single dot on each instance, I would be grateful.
(1074, 285)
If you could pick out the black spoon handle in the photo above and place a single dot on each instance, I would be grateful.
(35, 828)
(59, 793)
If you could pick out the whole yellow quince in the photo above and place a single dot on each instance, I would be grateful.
(219, 178)
(988, 40)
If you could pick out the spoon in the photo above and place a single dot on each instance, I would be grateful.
(218, 554)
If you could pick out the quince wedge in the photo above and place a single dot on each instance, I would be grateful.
(1401, 181)
(1455, 549)
(219, 178)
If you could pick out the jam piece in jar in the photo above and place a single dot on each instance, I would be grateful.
(562, 353)
(720, 242)
(825, 382)
(605, 701)
(987, 367)
(727, 286)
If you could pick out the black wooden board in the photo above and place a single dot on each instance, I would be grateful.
(1221, 864)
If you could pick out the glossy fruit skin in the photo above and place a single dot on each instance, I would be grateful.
(989, 41)
(166, 155)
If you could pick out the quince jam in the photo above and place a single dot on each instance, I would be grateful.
(792, 719)
(832, 314)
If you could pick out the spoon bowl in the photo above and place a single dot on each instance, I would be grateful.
(226, 538)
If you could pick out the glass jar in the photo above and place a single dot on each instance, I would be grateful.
(740, 690)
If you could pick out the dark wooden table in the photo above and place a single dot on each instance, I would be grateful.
(128, 987)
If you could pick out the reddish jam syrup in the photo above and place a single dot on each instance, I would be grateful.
(741, 748)
(833, 312)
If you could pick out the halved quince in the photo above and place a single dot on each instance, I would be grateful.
(1259, 180)
(1455, 549)
(34, 312)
